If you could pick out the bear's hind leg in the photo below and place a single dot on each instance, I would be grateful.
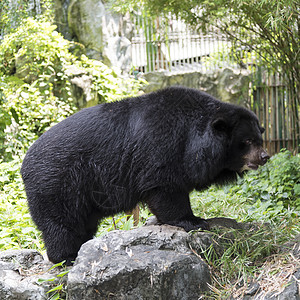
(63, 242)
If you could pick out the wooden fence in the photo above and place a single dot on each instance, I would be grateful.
(271, 100)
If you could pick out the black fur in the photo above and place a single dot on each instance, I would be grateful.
(155, 149)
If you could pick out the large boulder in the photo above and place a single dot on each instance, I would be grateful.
(154, 262)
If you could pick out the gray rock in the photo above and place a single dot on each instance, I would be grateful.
(15, 259)
(19, 274)
(82, 87)
(153, 262)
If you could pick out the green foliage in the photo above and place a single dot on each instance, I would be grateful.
(34, 49)
(267, 195)
(276, 183)
(13, 12)
(239, 251)
(32, 110)
(35, 91)
(5, 120)
(10, 16)
(35, 84)
(17, 228)
(107, 84)
(122, 222)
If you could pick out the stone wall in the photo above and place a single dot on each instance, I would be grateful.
(231, 85)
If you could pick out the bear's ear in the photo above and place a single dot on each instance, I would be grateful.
(221, 125)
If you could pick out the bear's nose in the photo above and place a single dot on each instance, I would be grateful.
(264, 157)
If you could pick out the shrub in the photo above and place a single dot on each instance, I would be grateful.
(270, 194)
(276, 185)
(35, 88)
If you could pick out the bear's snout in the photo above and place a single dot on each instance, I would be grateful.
(256, 157)
(264, 156)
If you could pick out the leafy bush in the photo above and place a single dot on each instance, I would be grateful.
(4, 120)
(35, 86)
(35, 91)
(31, 112)
(14, 12)
(269, 194)
(107, 84)
(276, 185)
(34, 49)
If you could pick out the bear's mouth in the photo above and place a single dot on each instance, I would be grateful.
(252, 166)
(249, 166)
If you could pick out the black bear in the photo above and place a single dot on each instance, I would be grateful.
(155, 148)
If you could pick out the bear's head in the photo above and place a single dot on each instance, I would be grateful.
(244, 141)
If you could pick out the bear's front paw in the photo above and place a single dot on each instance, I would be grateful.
(191, 223)
(196, 224)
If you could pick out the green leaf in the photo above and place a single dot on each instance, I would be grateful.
(55, 296)
(42, 280)
(15, 115)
(63, 273)
(60, 264)
(297, 189)
(57, 288)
